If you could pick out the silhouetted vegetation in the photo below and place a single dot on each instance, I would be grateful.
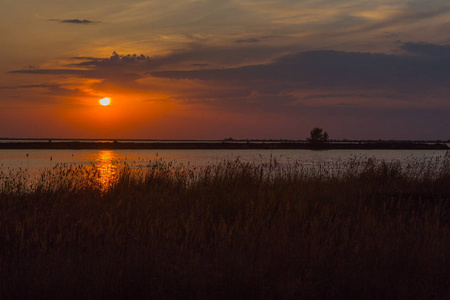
(318, 135)
(360, 229)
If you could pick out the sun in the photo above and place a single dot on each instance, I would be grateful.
(105, 101)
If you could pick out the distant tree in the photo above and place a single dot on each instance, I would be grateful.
(317, 135)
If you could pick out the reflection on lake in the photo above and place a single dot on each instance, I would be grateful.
(106, 162)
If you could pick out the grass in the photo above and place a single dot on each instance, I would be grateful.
(359, 229)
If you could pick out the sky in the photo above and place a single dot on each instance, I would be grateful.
(246, 69)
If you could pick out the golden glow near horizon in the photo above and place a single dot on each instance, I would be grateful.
(105, 101)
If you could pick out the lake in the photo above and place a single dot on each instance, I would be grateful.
(108, 162)
(35, 161)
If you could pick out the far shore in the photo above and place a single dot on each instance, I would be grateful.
(225, 145)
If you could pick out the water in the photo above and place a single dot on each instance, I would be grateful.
(35, 161)
(108, 162)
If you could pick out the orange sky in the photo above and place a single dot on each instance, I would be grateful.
(210, 70)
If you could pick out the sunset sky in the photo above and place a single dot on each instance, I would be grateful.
(188, 69)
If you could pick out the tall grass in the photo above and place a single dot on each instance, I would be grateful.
(359, 229)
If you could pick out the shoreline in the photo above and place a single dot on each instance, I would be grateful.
(222, 146)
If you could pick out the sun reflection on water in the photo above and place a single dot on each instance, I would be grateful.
(106, 162)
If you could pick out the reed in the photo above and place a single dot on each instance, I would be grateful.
(358, 229)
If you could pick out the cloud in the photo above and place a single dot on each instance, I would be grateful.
(329, 68)
(195, 56)
(122, 68)
(426, 49)
(420, 74)
(200, 65)
(32, 86)
(251, 40)
(407, 17)
(85, 58)
(114, 60)
(326, 79)
(74, 21)
(339, 95)
(52, 72)
(422, 64)
(354, 96)
(43, 92)
(222, 56)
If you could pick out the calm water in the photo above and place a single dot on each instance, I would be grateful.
(36, 160)
(107, 162)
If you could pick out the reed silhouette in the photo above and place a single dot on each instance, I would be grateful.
(360, 229)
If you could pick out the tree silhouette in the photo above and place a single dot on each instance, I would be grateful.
(317, 135)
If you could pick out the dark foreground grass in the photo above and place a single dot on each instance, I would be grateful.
(360, 229)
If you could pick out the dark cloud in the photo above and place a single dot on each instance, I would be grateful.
(74, 21)
(339, 95)
(200, 65)
(422, 64)
(426, 49)
(354, 95)
(329, 68)
(251, 40)
(114, 60)
(294, 82)
(77, 21)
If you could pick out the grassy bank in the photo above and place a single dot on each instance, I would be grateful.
(360, 229)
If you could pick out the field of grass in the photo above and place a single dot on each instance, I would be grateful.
(359, 229)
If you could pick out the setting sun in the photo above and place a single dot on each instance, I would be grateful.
(105, 101)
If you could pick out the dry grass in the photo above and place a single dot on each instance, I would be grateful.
(360, 229)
